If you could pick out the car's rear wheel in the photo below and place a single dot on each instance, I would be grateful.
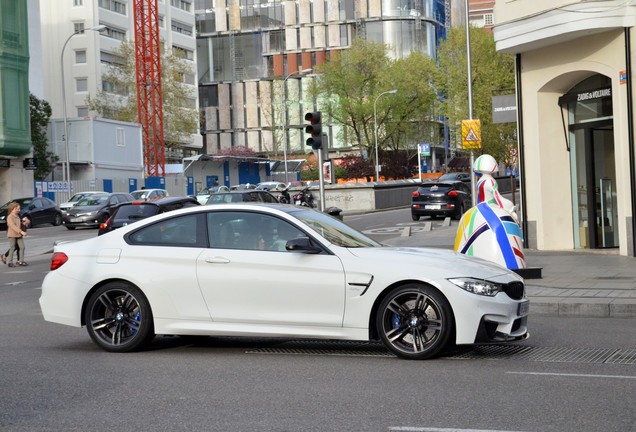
(460, 212)
(118, 318)
(57, 220)
(415, 321)
(415, 217)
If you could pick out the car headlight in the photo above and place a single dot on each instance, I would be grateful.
(477, 286)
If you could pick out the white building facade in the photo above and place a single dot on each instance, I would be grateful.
(89, 53)
(575, 97)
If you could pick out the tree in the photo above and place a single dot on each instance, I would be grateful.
(349, 87)
(44, 159)
(238, 151)
(356, 166)
(492, 74)
(118, 98)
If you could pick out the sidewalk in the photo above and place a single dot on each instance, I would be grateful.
(597, 283)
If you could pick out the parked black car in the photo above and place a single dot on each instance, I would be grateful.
(242, 196)
(38, 210)
(130, 212)
(441, 198)
(94, 209)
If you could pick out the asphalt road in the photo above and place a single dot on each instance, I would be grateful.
(573, 374)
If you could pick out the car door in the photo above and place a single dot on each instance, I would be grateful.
(243, 279)
(165, 254)
(37, 211)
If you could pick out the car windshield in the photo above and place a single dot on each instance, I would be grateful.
(333, 230)
(77, 197)
(140, 194)
(92, 200)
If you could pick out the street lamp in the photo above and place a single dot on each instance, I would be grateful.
(66, 169)
(284, 126)
(375, 132)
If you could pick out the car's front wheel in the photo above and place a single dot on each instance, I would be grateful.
(415, 321)
(57, 220)
(118, 318)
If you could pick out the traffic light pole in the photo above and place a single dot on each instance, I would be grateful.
(321, 179)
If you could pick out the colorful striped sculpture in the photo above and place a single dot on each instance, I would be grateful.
(490, 230)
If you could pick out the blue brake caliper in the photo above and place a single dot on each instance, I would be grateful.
(137, 318)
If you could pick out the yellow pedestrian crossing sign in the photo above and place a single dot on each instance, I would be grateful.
(471, 134)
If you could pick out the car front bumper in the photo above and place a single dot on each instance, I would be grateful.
(81, 221)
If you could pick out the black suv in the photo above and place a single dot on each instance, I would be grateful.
(441, 198)
(130, 212)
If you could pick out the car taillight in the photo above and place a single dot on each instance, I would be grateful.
(415, 194)
(104, 225)
(58, 260)
(453, 194)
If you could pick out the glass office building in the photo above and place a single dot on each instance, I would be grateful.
(250, 52)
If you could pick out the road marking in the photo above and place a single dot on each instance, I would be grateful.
(427, 429)
(574, 375)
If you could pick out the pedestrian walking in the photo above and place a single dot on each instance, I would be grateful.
(15, 234)
(24, 225)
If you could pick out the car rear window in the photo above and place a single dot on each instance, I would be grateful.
(137, 211)
(436, 187)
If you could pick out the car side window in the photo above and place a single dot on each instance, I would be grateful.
(181, 231)
(265, 197)
(249, 231)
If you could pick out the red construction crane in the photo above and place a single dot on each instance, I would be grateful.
(149, 96)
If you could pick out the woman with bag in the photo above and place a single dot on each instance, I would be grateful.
(15, 234)
(25, 224)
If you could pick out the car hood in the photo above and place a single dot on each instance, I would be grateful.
(83, 209)
(449, 263)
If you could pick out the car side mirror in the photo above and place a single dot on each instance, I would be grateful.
(302, 245)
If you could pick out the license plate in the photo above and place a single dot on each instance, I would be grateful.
(433, 207)
(75, 220)
(523, 308)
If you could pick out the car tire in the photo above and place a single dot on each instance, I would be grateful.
(70, 228)
(460, 212)
(57, 221)
(415, 217)
(118, 318)
(415, 322)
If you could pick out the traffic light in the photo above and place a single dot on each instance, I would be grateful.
(315, 129)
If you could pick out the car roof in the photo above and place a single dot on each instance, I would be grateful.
(449, 182)
(173, 199)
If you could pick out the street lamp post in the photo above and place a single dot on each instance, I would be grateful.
(284, 126)
(375, 132)
(66, 168)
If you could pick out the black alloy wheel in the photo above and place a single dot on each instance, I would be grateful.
(415, 322)
(118, 318)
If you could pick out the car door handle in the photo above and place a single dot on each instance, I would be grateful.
(217, 260)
